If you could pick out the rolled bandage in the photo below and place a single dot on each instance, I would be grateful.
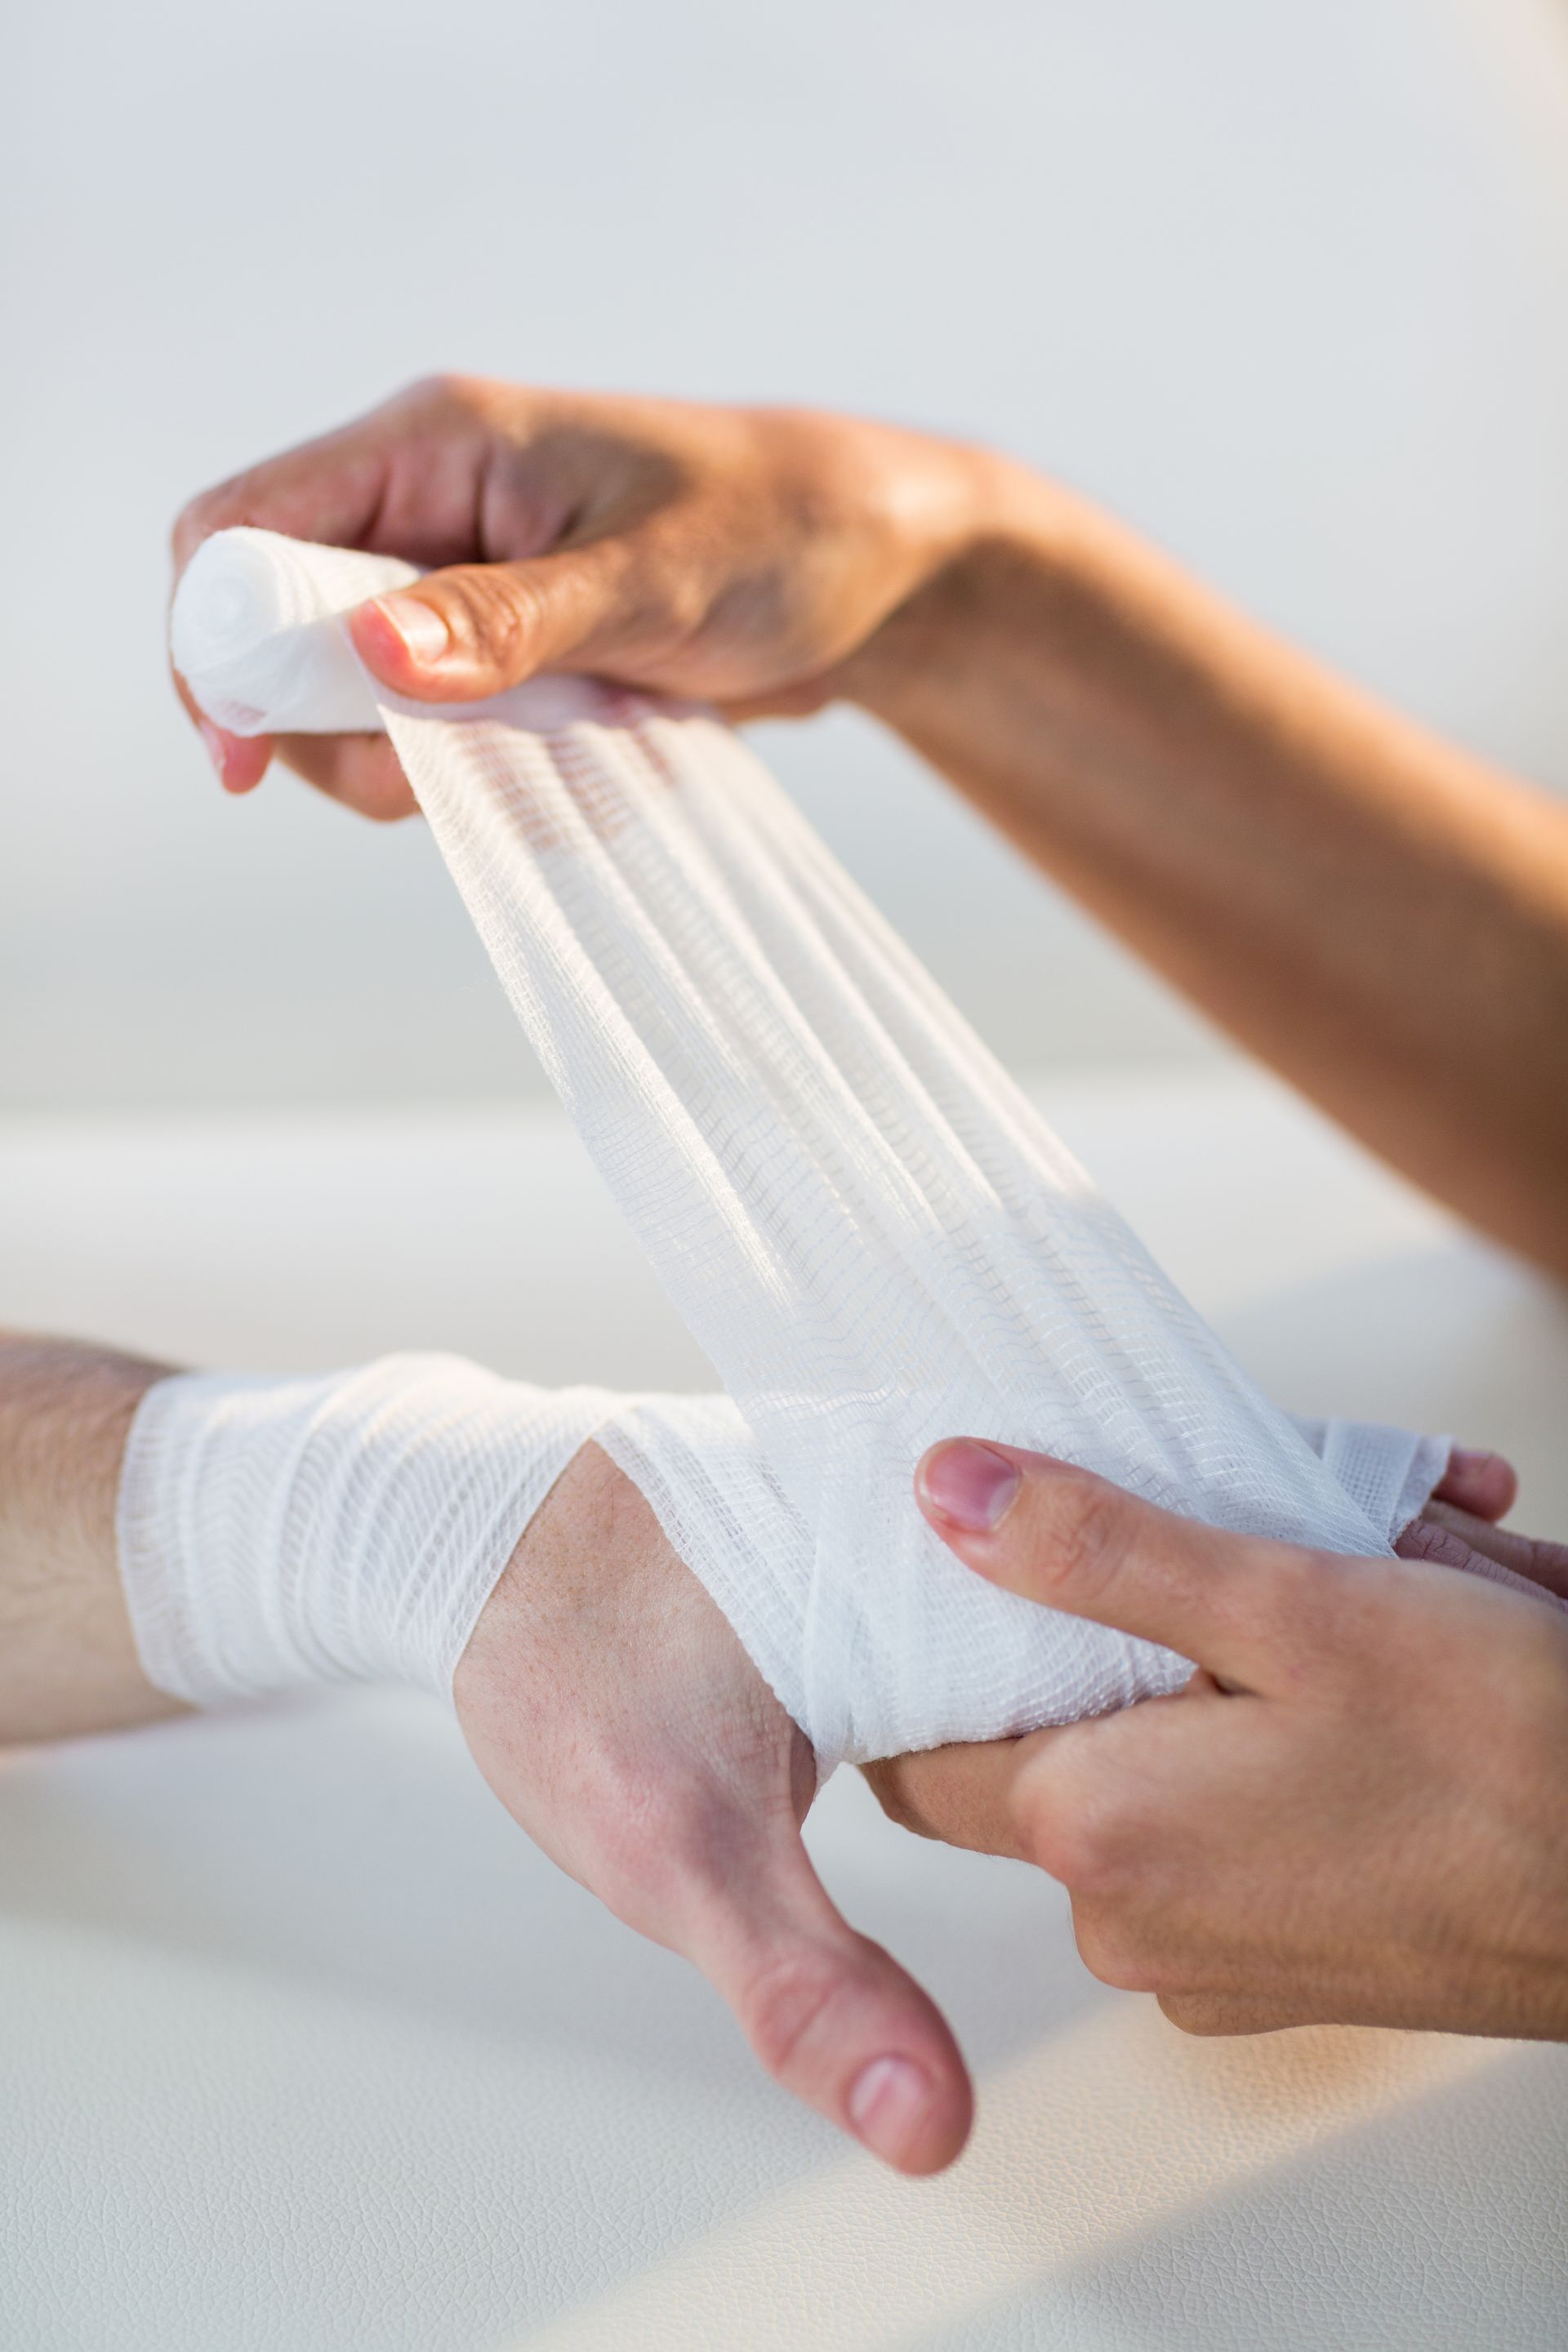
(866, 1227)
(261, 635)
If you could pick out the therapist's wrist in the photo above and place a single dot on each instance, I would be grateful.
(1020, 571)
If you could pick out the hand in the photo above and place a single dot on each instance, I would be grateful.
(1353, 1811)
(619, 1721)
(736, 555)
(606, 1702)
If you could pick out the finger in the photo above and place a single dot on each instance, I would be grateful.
(400, 481)
(1454, 1538)
(1239, 1605)
(1478, 1481)
(462, 634)
(328, 489)
(1216, 2013)
(961, 1795)
(362, 771)
(241, 760)
(832, 2016)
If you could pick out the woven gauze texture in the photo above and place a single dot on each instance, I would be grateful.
(869, 1230)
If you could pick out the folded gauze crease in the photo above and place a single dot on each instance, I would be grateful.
(862, 1221)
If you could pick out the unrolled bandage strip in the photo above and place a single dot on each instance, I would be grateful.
(872, 1234)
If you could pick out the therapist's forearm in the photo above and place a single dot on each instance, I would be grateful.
(1379, 915)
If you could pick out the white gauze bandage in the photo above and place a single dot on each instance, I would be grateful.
(864, 1224)
(345, 1527)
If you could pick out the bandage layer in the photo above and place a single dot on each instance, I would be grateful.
(864, 1224)
(342, 1527)
(350, 1526)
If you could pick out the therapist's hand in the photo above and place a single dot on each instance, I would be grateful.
(1355, 1811)
(738, 555)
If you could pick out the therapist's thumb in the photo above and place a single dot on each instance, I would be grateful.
(1060, 1535)
(473, 631)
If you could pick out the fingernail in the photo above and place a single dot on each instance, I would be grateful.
(886, 2106)
(420, 628)
(968, 1484)
(1465, 1461)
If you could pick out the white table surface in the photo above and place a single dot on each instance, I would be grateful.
(302, 2046)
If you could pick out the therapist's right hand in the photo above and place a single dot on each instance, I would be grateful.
(1350, 1814)
(740, 556)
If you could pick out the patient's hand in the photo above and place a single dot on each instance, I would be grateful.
(606, 1702)
(734, 554)
(619, 1721)
(1352, 1813)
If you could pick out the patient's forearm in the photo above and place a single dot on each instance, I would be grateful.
(1379, 915)
(68, 1663)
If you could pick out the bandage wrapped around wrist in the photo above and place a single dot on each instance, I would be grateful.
(350, 1526)
(874, 1237)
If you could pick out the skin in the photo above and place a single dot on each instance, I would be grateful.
(603, 1696)
(612, 1712)
(1300, 860)
(1301, 1835)
(1379, 915)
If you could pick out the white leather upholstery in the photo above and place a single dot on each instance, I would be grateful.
(302, 2046)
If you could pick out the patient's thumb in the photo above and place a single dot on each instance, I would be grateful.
(473, 631)
(835, 2020)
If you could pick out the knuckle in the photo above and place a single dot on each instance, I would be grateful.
(1304, 1610)
(783, 2004)
(1072, 1831)
(498, 614)
(443, 388)
(1113, 1950)
(1084, 1853)
(1084, 1524)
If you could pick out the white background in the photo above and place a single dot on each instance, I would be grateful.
(1283, 283)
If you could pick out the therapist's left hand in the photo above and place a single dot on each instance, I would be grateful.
(1355, 1810)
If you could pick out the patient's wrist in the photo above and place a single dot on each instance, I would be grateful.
(274, 1534)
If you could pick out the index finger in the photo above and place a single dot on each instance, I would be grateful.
(961, 1795)
(330, 490)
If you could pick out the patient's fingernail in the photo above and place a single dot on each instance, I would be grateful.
(888, 2105)
(417, 626)
(967, 1484)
